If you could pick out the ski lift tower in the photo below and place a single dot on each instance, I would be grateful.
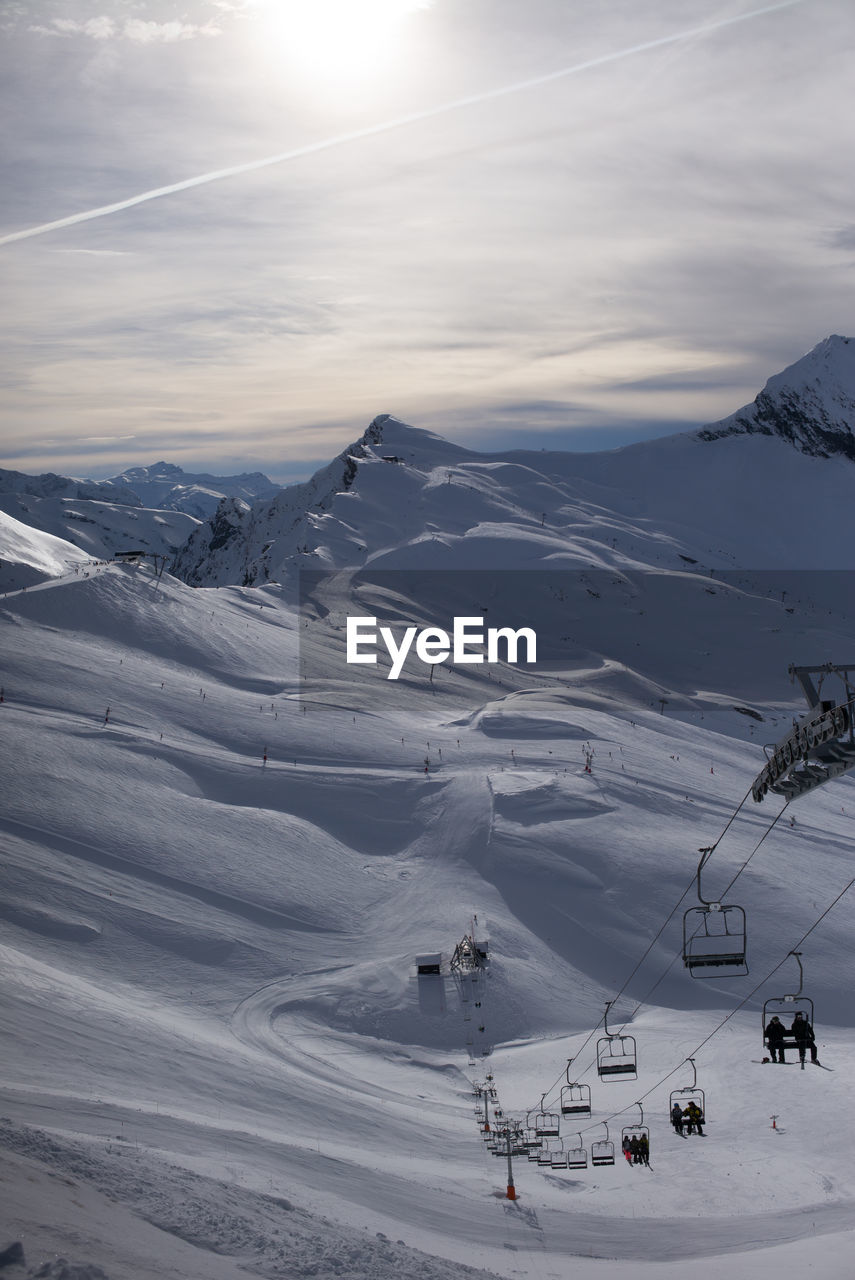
(820, 747)
(472, 951)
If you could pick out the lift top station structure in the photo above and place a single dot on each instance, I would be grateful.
(471, 953)
(820, 747)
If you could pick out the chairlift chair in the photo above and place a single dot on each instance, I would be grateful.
(616, 1054)
(546, 1123)
(639, 1130)
(558, 1157)
(786, 1007)
(575, 1097)
(714, 936)
(577, 1157)
(603, 1151)
(690, 1093)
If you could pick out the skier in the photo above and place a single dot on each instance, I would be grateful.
(677, 1119)
(633, 1146)
(644, 1149)
(694, 1118)
(802, 1033)
(774, 1033)
(625, 1148)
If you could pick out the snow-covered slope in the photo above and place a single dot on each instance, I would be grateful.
(28, 556)
(217, 877)
(734, 494)
(101, 528)
(209, 955)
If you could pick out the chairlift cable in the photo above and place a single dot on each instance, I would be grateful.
(677, 955)
(708, 852)
(735, 1009)
(643, 1001)
(663, 927)
(690, 885)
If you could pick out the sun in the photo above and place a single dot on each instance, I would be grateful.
(335, 40)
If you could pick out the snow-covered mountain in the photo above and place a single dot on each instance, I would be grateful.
(218, 874)
(152, 509)
(811, 404)
(50, 485)
(719, 497)
(167, 487)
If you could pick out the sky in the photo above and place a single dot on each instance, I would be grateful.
(231, 233)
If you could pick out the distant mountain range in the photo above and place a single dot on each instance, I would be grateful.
(154, 508)
(770, 487)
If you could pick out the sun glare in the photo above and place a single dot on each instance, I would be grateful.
(335, 39)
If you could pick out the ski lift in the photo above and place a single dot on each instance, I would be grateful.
(558, 1156)
(639, 1130)
(820, 747)
(546, 1123)
(788, 1006)
(689, 1093)
(533, 1153)
(615, 1053)
(603, 1152)
(714, 936)
(575, 1097)
(518, 1142)
(577, 1157)
(544, 1156)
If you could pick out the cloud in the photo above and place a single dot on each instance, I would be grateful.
(137, 30)
(624, 252)
(165, 32)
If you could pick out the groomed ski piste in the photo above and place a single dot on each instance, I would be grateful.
(218, 1058)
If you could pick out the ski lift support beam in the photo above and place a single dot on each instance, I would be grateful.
(817, 744)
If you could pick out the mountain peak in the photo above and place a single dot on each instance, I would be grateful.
(158, 470)
(811, 404)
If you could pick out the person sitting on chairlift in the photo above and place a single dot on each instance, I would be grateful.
(644, 1150)
(633, 1146)
(694, 1118)
(775, 1032)
(625, 1147)
(802, 1033)
(677, 1118)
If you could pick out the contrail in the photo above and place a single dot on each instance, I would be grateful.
(414, 117)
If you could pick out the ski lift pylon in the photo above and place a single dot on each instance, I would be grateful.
(820, 747)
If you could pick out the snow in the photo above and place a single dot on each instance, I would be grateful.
(218, 1058)
(28, 556)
